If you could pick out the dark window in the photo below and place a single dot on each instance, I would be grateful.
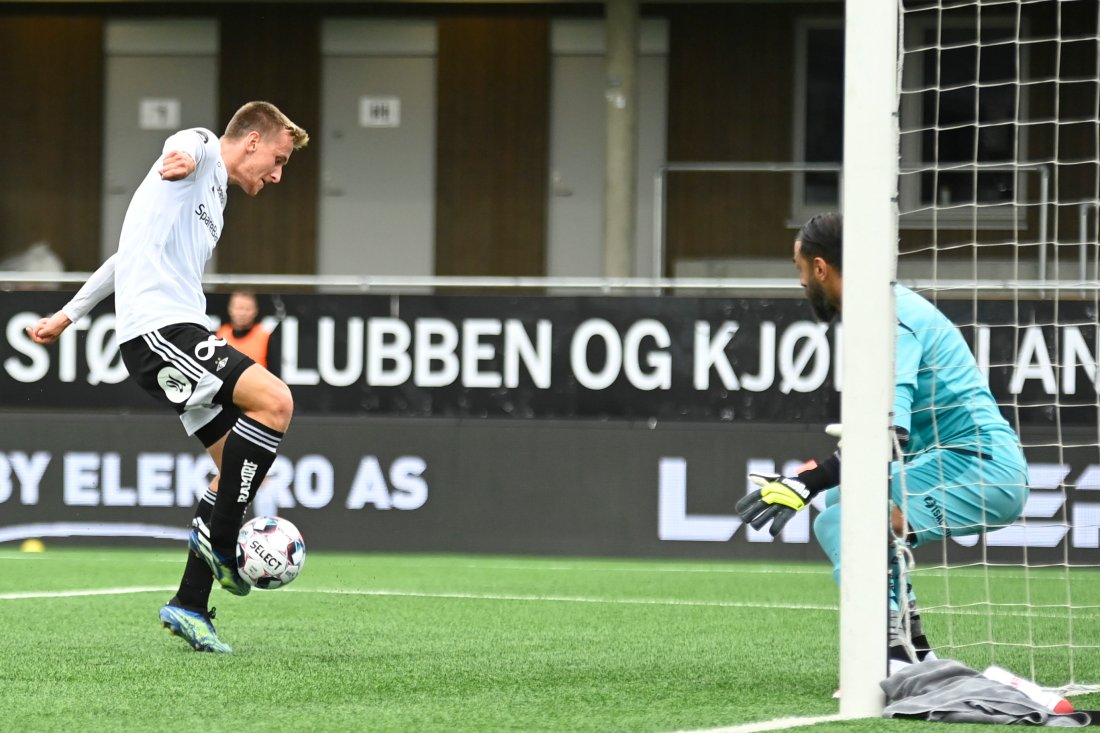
(968, 109)
(823, 119)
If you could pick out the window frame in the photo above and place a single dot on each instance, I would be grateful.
(800, 210)
(909, 146)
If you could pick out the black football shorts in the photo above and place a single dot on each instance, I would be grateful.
(189, 369)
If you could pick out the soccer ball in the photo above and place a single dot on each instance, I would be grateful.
(270, 552)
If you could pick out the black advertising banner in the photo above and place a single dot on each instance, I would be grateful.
(531, 357)
(668, 358)
(617, 488)
(481, 356)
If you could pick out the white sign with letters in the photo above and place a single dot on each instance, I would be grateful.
(379, 112)
(159, 114)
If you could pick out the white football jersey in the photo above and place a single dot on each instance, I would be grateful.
(170, 231)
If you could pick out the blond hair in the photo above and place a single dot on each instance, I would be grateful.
(265, 118)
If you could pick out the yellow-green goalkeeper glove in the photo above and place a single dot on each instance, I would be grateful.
(777, 500)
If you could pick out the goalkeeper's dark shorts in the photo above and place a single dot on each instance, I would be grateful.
(954, 492)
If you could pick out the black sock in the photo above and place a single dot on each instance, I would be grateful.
(248, 454)
(197, 580)
(898, 652)
(920, 643)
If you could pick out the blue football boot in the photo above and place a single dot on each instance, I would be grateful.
(194, 627)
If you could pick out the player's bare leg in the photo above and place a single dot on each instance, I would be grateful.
(264, 397)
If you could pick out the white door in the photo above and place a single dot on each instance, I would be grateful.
(377, 207)
(578, 145)
(161, 76)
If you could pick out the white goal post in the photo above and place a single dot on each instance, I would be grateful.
(870, 235)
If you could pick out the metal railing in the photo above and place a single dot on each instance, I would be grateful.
(388, 285)
(399, 283)
(660, 185)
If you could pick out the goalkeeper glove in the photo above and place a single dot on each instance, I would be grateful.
(777, 500)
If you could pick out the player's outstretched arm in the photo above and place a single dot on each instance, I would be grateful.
(781, 497)
(777, 500)
(99, 286)
(49, 329)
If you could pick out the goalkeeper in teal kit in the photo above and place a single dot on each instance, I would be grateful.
(960, 470)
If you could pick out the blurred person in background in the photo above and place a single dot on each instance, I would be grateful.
(251, 335)
(244, 330)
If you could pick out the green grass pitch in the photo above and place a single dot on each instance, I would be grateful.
(451, 643)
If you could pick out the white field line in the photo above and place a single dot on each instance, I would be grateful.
(769, 725)
(459, 596)
(568, 599)
(1024, 612)
(761, 569)
(84, 593)
(40, 530)
(998, 573)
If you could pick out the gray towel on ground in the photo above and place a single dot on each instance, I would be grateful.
(946, 690)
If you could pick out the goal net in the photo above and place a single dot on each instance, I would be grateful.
(999, 183)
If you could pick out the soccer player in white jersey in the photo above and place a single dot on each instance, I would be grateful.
(961, 470)
(237, 408)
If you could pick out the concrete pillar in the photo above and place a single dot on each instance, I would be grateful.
(622, 114)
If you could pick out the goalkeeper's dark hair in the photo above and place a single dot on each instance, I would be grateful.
(822, 236)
